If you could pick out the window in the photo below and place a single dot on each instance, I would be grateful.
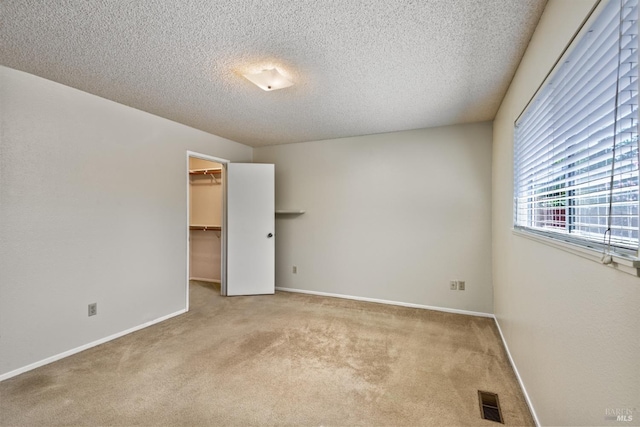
(576, 143)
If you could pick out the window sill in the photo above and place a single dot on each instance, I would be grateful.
(621, 263)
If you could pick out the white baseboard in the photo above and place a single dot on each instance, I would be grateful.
(73, 351)
(382, 301)
(515, 369)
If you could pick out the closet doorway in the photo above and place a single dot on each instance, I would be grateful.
(207, 220)
(231, 215)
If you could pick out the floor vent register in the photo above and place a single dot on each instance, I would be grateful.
(490, 406)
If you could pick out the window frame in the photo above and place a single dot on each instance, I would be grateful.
(627, 260)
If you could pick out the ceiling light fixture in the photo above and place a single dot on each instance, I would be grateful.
(268, 79)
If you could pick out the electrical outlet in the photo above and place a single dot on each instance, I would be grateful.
(453, 285)
(93, 309)
(295, 269)
(461, 285)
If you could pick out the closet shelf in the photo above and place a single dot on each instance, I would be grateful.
(205, 227)
(289, 212)
(215, 171)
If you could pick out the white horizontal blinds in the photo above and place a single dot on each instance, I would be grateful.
(564, 141)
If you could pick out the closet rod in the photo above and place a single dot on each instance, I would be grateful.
(206, 172)
(205, 227)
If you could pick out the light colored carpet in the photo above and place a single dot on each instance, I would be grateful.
(286, 359)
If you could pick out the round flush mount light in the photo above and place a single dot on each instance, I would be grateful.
(268, 80)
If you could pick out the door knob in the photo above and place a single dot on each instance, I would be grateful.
(270, 235)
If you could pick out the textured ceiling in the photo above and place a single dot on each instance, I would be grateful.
(359, 66)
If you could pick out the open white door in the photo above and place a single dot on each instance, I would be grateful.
(250, 229)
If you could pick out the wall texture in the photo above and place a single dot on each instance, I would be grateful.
(391, 216)
(572, 325)
(92, 209)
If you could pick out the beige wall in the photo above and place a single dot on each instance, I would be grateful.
(572, 325)
(93, 201)
(391, 216)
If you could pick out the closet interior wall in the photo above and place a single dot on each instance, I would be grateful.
(205, 219)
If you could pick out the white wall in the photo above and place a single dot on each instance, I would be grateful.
(92, 209)
(391, 216)
(572, 325)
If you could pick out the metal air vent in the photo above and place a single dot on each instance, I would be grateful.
(490, 406)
